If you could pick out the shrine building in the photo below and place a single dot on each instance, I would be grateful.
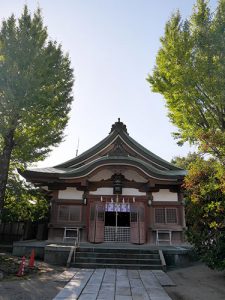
(117, 191)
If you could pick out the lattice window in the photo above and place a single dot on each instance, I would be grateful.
(160, 215)
(171, 215)
(166, 215)
(75, 213)
(69, 213)
(63, 213)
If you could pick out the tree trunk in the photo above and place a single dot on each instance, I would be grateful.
(4, 165)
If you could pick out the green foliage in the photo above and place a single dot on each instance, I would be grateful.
(184, 162)
(35, 87)
(35, 93)
(205, 210)
(205, 207)
(23, 202)
(190, 74)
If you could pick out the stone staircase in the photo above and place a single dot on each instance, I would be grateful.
(118, 258)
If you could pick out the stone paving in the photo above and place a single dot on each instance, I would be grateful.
(116, 284)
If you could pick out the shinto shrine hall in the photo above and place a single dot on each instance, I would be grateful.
(117, 191)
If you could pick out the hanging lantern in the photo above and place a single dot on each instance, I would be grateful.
(117, 184)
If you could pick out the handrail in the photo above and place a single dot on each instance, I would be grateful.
(72, 253)
(76, 245)
(163, 262)
(68, 229)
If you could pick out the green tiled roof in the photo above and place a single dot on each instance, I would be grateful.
(109, 161)
(90, 160)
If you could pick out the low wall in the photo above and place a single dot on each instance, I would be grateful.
(179, 257)
(57, 254)
(24, 248)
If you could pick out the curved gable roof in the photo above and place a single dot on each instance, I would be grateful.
(118, 131)
(118, 148)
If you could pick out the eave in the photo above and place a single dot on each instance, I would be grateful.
(106, 161)
(130, 142)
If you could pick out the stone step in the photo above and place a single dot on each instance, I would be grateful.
(116, 260)
(117, 266)
(118, 255)
(117, 250)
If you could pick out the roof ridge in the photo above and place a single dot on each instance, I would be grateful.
(119, 127)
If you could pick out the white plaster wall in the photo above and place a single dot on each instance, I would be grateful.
(70, 193)
(132, 175)
(165, 195)
(102, 191)
(128, 174)
(132, 192)
(109, 191)
(101, 175)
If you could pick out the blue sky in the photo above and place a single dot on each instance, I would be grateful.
(112, 45)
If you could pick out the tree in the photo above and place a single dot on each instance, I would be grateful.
(205, 208)
(184, 162)
(23, 202)
(190, 74)
(35, 93)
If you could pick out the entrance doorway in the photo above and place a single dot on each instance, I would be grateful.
(123, 219)
(117, 222)
(117, 215)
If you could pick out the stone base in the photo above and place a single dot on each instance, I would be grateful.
(57, 254)
(179, 257)
(24, 248)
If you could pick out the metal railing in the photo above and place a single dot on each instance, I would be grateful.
(72, 233)
(116, 234)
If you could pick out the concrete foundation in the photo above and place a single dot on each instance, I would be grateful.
(179, 257)
(24, 248)
(57, 253)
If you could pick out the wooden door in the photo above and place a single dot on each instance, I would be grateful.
(99, 223)
(91, 229)
(141, 219)
(134, 236)
(137, 223)
(96, 223)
